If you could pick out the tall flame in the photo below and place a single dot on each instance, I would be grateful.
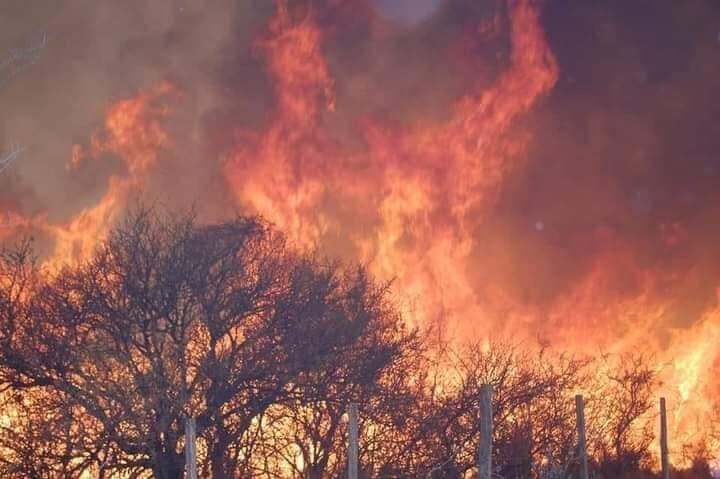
(427, 186)
(133, 131)
(409, 202)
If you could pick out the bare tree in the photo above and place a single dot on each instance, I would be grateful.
(531, 411)
(171, 318)
(265, 347)
(620, 425)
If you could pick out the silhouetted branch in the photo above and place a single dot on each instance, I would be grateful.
(18, 58)
(9, 157)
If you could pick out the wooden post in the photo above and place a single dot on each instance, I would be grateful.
(581, 440)
(190, 455)
(485, 448)
(353, 442)
(664, 441)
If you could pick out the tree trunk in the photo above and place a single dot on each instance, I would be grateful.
(168, 466)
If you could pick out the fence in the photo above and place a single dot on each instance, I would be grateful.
(484, 454)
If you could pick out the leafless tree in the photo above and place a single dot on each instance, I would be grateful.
(172, 318)
(377, 372)
(531, 411)
(621, 415)
(101, 362)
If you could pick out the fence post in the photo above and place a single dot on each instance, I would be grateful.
(485, 448)
(353, 442)
(581, 439)
(190, 455)
(664, 441)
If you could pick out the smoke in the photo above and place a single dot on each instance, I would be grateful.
(409, 12)
(100, 52)
(586, 217)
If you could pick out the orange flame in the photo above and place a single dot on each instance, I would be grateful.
(133, 131)
(423, 183)
(408, 204)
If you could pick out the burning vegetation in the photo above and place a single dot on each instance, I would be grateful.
(363, 236)
(265, 346)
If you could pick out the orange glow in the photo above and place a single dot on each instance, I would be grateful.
(133, 131)
(423, 183)
(12, 222)
(409, 202)
(414, 196)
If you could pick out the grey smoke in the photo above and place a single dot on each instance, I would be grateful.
(410, 12)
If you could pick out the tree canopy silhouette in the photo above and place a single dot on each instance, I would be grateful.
(172, 318)
(265, 346)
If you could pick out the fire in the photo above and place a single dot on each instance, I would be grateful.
(274, 186)
(133, 131)
(426, 185)
(691, 379)
(11, 222)
(419, 193)
(409, 202)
